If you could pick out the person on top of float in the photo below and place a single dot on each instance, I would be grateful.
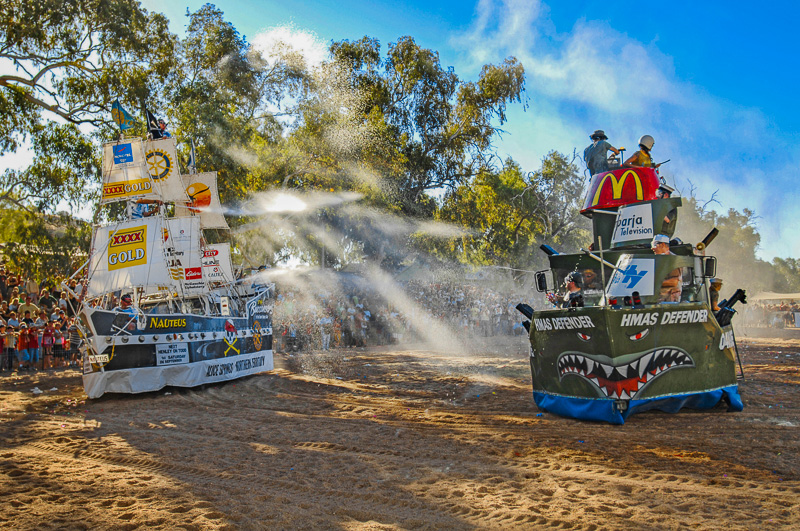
(596, 155)
(671, 287)
(642, 158)
(573, 298)
(713, 293)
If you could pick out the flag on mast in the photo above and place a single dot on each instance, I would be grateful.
(192, 160)
(152, 125)
(123, 119)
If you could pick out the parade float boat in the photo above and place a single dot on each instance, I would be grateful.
(190, 322)
(638, 331)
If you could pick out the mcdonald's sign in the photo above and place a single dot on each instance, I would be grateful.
(621, 187)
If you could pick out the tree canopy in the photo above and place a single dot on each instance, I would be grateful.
(391, 150)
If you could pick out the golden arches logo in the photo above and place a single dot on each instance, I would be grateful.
(617, 185)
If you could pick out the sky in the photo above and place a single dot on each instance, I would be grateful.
(713, 82)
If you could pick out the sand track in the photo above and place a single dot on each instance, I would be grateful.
(395, 438)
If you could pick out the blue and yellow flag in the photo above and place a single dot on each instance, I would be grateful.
(121, 116)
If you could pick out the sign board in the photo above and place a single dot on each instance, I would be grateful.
(634, 222)
(632, 274)
(172, 354)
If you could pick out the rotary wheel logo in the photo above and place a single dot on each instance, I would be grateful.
(159, 164)
(257, 335)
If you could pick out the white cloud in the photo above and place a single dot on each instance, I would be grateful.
(273, 42)
(595, 77)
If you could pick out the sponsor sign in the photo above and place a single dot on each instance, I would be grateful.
(632, 274)
(232, 368)
(123, 154)
(172, 354)
(134, 187)
(127, 248)
(159, 164)
(633, 223)
(618, 185)
(727, 340)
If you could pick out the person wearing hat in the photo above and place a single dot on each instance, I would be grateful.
(125, 304)
(713, 293)
(672, 286)
(596, 155)
(162, 125)
(573, 298)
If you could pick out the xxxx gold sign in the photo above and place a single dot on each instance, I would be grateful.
(127, 189)
(127, 248)
(618, 186)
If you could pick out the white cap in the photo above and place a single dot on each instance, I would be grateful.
(659, 238)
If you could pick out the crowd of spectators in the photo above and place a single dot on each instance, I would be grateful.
(362, 317)
(763, 315)
(37, 324)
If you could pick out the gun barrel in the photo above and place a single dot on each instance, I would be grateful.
(549, 251)
(525, 310)
(708, 239)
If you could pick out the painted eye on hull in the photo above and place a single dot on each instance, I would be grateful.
(640, 335)
(584, 337)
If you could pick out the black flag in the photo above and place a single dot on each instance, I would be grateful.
(152, 125)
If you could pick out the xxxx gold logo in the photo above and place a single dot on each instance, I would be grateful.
(122, 239)
(618, 185)
(127, 248)
(129, 188)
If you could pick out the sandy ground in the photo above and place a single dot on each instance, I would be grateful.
(395, 438)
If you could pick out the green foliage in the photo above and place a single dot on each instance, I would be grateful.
(43, 246)
(735, 247)
(507, 214)
(420, 127)
(64, 168)
(225, 96)
(787, 275)
(72, 58)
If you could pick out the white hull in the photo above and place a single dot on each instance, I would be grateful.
(146, 379)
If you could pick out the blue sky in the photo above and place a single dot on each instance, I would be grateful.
(713, 82)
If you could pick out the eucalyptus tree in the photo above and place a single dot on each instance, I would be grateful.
(65, 62)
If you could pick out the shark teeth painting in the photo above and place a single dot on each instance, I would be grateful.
(625, 380)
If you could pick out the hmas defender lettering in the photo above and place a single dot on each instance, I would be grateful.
(163, 322)
(561, 323)
(679, 317)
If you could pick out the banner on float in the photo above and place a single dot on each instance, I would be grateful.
(144, 379)
(632, 274)
(124, 172)
(161, 158)
(182, 250)
(217, 266)
(201, 188)
(128, 254)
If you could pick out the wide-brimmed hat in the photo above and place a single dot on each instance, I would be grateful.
(599, 134)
